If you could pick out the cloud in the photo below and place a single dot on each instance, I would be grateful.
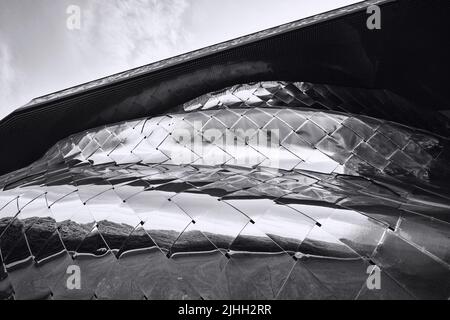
(7, 78)
(6, 72)
(126, 34)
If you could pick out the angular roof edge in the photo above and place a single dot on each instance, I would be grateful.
(149, 68)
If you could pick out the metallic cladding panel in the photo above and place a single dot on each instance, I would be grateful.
(204, 203)
(404, 65)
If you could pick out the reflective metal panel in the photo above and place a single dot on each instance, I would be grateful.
(235, 195)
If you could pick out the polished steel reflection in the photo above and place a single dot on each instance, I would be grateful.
(300, 213)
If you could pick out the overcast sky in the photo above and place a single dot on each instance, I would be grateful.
(40, 55)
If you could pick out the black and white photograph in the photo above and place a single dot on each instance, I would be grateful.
(224, 150)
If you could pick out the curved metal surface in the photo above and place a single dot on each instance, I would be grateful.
(240, 194)
(406, 59)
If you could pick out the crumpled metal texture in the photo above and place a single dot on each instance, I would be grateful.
(247, 193)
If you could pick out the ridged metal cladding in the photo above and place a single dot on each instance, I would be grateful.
(250, 192)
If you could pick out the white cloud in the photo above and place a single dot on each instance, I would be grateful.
(6, 72)
(7, 78)
(125, 34)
